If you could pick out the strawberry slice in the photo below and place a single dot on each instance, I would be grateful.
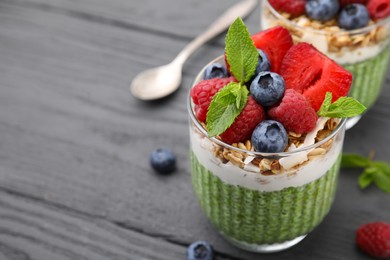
(293, 7)
(347, 2)
(378, 9)
(312, 74)
(275, 42)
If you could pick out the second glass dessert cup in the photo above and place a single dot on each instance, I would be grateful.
(364, 52)
(266, 202)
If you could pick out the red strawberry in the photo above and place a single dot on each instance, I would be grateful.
(347, 2)
(294, 7)
(374, 239)
(294, 112)
(313, 74)
(243, 126)
(275, 42)
(378, 9)
(203, 92)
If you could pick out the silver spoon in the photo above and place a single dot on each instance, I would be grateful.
(161, 81)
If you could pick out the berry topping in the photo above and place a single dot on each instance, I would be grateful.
(267, 88)
(374, 239)
(204, 91)
(275, 42)
(347, 2)
(200, 250)
(269, 137)
(353, 16)
(378, 9)
(216, 70)
(295, 113)
(313, 74)
(322, 10)
(163, 160)
(243, 125)
(263, 64)
(294, 7)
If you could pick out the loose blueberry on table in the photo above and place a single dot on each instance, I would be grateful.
(163, 160)
(200, 250)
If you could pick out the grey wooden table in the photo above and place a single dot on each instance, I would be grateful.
(75, 182)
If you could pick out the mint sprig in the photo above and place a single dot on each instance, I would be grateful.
(374, 172)
(241, 53)
(228, 103)
(343, 107)
(225, 106)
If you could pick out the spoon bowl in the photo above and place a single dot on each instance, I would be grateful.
(161, 81)
(157, 82)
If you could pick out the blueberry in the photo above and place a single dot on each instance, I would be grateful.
(354, 16)
(263, 64)
(322, 10)
(163, 160)
(267, 88)
(216, 70)
(269, 137)
(200, 250)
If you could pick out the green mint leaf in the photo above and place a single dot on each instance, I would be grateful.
(354, 161)
(375, 172)
(383, 166)
(344, 107)
(365, 179)
(326, 104)
(225, 106)
(382, 180)
(347, 107)
(241, 53)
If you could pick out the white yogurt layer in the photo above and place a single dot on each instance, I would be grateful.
(250, 176)
(344, 57)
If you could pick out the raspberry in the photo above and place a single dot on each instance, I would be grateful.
(203, 92)
(294, 112)
(243, 126)
(378, 9)
(293, 7)
(374, 239)
(348, 2)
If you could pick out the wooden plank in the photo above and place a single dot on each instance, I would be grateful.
(176, 18)
(72, 136)
(32, 230)
(131, 17)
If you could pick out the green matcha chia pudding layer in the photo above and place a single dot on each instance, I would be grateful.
(368, 77)
(363, 51)
(260, 217)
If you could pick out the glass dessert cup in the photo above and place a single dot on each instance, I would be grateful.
(264, 202)
(364, 52)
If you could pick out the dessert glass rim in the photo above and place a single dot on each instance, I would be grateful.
(362, 30)
(252, 153)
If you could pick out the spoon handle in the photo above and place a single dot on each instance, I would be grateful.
(241, 9)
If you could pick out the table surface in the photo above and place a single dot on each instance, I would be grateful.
(75, 181)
